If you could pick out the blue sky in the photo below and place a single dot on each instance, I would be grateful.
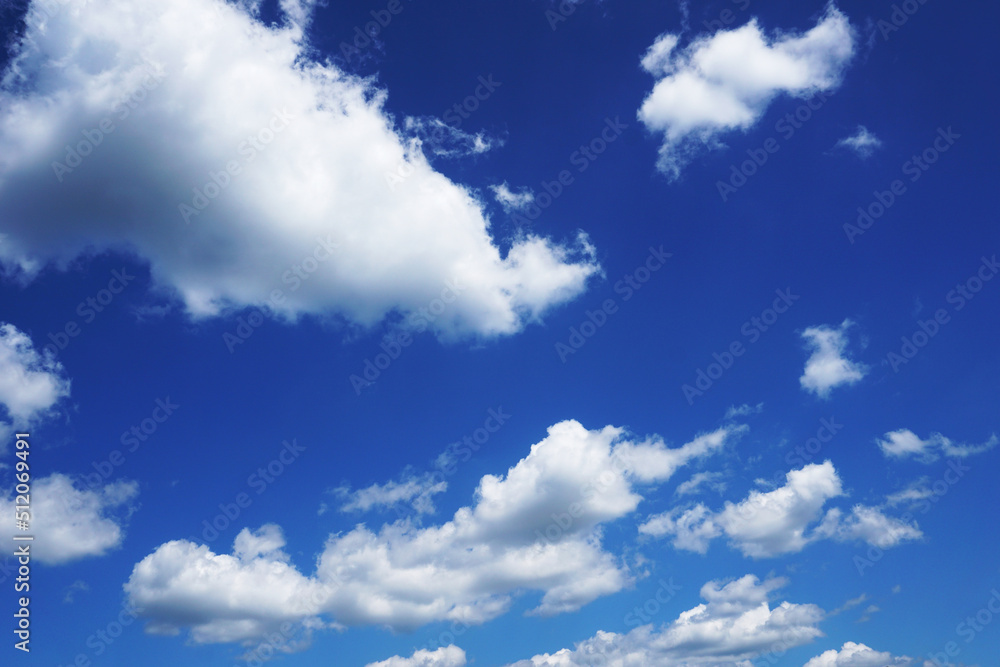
(523, 334)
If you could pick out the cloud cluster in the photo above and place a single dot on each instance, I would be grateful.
(828, 365)
(212, 147)
(69, 522)
(735, 623)
(784, 520)
(725, 81)
(446, 656)
(859, 655)
(538, 527)
(31, 382)
(904, 443)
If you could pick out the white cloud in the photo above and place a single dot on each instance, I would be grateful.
(870, 611)
(867, 524)
(828, 366)
(712, 480)
(692, 529)
(772, 523)
(850, 604)
(912, 494)
(538, 527)
(725, 81)
(313, 146)
(736, 623)
(223, 598)
(440, 139)
(417, 492)
(510, 200)
(785, 520)
(861, 142)
(70, 523)
(744, 410)
(31, 382)
(904, 443)
(858, 655)
(70, 595)
(446, 656)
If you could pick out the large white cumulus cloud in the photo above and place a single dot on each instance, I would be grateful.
(164, 98)
(539, 527)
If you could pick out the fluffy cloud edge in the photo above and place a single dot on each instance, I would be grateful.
(277, 150)
(725, 81)
(71, 522)
(782, 521)
(829, 366)
(538, 527)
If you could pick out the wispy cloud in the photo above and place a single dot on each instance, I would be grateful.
(862, 142)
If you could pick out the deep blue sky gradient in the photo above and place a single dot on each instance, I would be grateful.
(782, 230)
